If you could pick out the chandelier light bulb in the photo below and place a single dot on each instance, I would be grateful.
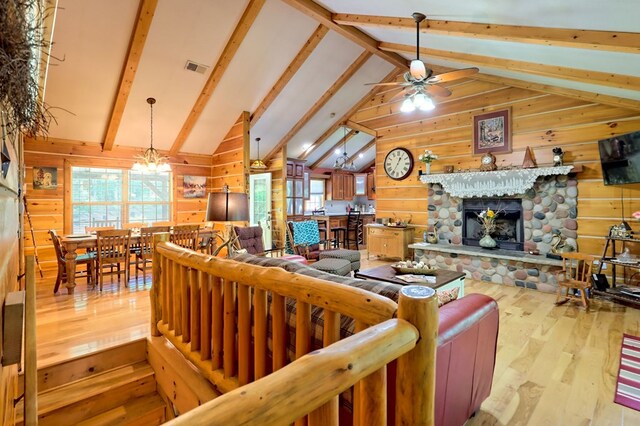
(407, 106)
(419, 100)
(427, 104)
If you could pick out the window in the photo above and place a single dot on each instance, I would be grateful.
(112, 197)
(316, 196)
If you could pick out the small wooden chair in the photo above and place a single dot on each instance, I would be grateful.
(576, 271)
(113, 250)
(144, 252)
(186, 236)
(88, 259)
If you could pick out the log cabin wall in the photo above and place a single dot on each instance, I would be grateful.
(278, 197)
(539, 120)
(9, 247)
(47, 206)
(230, 162)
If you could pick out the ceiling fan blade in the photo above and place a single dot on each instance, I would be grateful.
(439, 91)
(453, 75)
(400, 94)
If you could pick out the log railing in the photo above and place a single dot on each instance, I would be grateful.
(230, 320)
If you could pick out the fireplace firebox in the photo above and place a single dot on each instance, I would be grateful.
(509, 231)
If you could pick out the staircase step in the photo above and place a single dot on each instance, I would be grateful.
(146, 410)
(79, 400)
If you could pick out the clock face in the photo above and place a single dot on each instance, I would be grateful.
(487, 159)
(398, 163)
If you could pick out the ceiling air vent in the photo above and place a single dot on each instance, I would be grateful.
(199, 68)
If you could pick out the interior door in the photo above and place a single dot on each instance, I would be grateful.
(260, 205)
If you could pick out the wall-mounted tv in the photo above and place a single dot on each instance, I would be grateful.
(620, 159)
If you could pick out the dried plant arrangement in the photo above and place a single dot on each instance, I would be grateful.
(21, 45)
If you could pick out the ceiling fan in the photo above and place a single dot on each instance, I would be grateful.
(420, 84)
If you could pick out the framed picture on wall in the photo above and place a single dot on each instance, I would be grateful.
(492, 132)
(45, 178)
(194, 186)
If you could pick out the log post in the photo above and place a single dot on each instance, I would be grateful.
(154, 294)
(30, 356)
(416, 370)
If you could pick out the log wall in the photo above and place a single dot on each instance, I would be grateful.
(540, 121)
(47, 206)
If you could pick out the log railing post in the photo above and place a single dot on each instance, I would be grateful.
(154, 294)
(30, 356)
(416, 370)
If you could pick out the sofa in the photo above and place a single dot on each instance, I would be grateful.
(467, 338)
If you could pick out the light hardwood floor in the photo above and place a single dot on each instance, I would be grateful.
(555, 365)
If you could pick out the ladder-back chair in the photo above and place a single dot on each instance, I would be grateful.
(575, 275)
(88, 259)
(113, 250)
(144, 251)
(186, 236)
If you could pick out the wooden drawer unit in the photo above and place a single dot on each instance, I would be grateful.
(389, 242)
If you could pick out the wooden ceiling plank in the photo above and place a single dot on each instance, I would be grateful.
(583, 76)
(232, 46)
(330, 151)
(351, 70)
(366, 98)
(324, 16)
(136, 46)
(613, 41)
(290, 71)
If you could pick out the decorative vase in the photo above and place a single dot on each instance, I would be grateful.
(427, 168)
(487, 242)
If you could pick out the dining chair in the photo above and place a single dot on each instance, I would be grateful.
(88, 259)
(144, 251)
(163, 223)
(575, 275)
(185, 236)
(113, 250)
(134, 225)
(90, 229)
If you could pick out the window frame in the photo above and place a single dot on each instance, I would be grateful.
(68, 188)
(324, 195)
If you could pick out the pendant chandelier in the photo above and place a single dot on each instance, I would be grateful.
(342, 162)
(152, 160)
(258, 164)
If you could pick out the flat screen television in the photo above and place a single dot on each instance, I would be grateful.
(620, 159)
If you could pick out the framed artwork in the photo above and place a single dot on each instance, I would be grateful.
(45, 178)
(492, 132)
(194, 186)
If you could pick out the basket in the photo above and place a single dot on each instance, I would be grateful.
(416, 271)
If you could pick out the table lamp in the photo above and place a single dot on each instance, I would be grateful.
(227, 207)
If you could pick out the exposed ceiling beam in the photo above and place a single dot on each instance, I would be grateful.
(357, 126)
(138, 39)
(47, 23)
(330, 151)
(366, 98)
(362, 150)
(241, 30)
(291, 70)
(351, 70)
(367, 42)
(583, 76)
(613, 41)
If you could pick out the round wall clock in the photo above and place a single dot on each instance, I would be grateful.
(398, 163)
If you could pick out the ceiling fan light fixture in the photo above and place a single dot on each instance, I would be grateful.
(427, 104)
(407, 105)
(417, 69)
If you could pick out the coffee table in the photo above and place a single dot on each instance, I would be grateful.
(445, 279)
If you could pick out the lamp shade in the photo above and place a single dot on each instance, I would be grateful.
(227, 207)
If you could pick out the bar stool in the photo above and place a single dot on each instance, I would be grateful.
(353, 231)
(322, 224)
(338, 234)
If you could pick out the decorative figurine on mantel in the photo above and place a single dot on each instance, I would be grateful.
(557, 156)
(529, 162)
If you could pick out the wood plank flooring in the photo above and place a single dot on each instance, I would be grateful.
(555, 365)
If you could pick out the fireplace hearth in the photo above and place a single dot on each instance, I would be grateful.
(509, 231)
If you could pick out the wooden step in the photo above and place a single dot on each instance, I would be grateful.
(82, 399)
(146, 410)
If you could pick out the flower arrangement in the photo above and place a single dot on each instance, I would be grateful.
(487, 219)
(428, 156)
(636, 215)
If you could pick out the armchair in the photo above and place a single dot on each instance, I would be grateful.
(304, 238)
(250, 239)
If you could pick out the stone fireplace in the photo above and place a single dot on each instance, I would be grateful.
(509, 231)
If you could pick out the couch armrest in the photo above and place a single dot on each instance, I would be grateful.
(460, 315)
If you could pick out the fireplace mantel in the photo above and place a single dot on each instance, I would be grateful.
(498, 183)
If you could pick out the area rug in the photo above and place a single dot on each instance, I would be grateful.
(628, 385)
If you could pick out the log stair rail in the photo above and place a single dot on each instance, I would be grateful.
(230, 320)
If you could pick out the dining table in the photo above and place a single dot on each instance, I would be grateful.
(89, 241)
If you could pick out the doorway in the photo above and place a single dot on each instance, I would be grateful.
(260, 205)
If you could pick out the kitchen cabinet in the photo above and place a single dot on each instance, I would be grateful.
(360, 183)
(297, 186)
(342, 187)
(371, 186)
(385, 241)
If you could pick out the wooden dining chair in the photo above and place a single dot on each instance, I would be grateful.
(186, 236)
(134, 225)
(113, 250)
(88, 259)
(90, 229)
(163, 223)
(575, 275)
(144, 251)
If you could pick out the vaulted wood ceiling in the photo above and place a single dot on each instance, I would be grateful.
(300, 67)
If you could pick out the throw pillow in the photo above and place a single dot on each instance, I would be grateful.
(446, 296)
(306, 232)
